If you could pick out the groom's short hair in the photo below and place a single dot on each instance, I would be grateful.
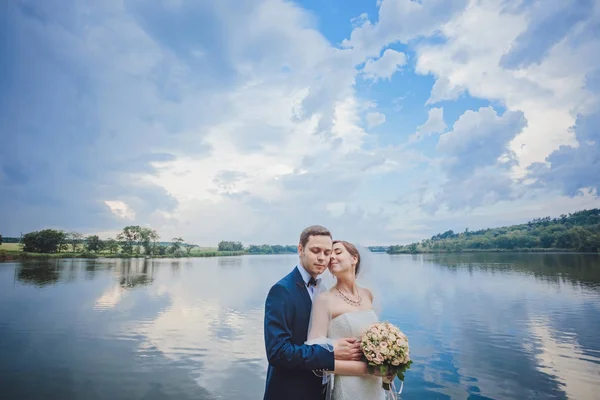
(313, 230)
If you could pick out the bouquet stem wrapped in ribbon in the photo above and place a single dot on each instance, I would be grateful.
(386, 350)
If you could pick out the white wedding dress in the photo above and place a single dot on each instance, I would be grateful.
(354, 324)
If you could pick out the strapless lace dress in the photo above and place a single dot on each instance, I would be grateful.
(354, 324)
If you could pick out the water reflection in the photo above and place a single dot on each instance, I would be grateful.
(136, 272)
(553, 267)
(230, 262)
(481, 326)
(469, 317)
(564, 359)
(130, 272)
(218, 335)
(39, 274)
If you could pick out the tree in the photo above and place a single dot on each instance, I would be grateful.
(594, 242)
(162, 250)
(94, 243)
(74, 239)
(546, 239)
(148, 238)
(254, 249)
(579, 238)
(577, 231)
(45, 241)
(189, 247)
(129, 238)
(230, 246)
(111, 245)
(266, 249)
(0, 240)
(176, 245)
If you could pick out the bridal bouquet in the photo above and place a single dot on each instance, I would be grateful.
(386, 349)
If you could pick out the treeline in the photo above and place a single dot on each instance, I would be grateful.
(8, 240)
(257, 249)
(579, 231)
(132, 240)
(230, 246)
(378, 249)
(268, 249)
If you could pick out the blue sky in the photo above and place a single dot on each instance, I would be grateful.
(387, 121)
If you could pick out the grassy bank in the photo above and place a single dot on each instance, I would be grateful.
(12, 251)
(10, 247)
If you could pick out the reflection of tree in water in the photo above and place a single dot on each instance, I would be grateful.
(48, 272)
(230, 262)
(177, 263)
(39, 273)
(553, 267)
(136, 272)
(72, 270)
(90, 269)
(130, 272)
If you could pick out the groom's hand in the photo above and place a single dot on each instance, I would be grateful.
(347, 349)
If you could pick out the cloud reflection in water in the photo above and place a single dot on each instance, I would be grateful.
(214, 323)
(486, 326)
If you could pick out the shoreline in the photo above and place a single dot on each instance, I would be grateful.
(532, 250)
(12, 255)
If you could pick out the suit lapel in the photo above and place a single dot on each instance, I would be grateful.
(301, 286)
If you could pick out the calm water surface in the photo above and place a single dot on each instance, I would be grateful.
(497, 326)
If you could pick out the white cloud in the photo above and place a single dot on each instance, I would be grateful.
(230, 123)
(250, 126)
(374, 119)
(476, 34)
(120, 209)
(475, 50)
(385, 67)
(401, 20)
(479, 138)
(435, 124)
(476, 155)
(443, 89)
(549, 92)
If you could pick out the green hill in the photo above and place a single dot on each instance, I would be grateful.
(579, 231)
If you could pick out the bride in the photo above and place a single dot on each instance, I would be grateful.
(345, 310)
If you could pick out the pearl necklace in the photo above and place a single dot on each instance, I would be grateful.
(355, 303)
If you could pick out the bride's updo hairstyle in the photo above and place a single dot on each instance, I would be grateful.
(353, 251)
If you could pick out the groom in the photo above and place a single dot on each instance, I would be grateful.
(287, 313)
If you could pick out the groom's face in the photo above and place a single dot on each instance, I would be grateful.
(315, 255)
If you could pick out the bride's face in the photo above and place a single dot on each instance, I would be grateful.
(341, 260)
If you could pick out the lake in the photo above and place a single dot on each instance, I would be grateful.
(481, 326)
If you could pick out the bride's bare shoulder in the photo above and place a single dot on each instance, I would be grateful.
(366, 293)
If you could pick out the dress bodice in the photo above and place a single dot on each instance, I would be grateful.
(351, 324)
(354, 324)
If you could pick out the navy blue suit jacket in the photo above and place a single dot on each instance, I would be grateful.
(291, 363)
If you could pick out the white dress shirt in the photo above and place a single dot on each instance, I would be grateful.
(306, 276)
